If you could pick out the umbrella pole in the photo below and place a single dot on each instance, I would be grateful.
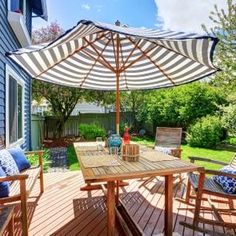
(117, 85)
(118, 103)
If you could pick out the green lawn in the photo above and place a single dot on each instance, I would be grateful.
(223, 154)
(72, 158)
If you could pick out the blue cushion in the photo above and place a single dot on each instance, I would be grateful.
(7, 163)
(20, 158)
(227, 183)
(4, 186)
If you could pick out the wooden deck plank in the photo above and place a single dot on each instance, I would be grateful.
(65, 210)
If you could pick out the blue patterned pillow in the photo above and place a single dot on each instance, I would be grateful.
(228, 184)
(20, 158)
(4, 186)
(7, 163)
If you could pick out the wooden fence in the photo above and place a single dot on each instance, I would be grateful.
(107, 121)
(37, 132)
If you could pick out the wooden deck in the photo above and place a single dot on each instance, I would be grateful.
(64, 210)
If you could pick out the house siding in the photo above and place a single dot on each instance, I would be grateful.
(8, 42)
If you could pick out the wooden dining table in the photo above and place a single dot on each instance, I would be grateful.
(115, 170)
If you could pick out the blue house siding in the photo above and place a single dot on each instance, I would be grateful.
(8, 42)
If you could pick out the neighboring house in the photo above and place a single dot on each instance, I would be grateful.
(15, 84)
(85, 107)
(40, 108)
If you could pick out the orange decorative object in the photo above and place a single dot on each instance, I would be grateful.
(126, 136)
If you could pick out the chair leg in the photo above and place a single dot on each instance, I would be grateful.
(24, 207)
(199, 199)
(188, 191)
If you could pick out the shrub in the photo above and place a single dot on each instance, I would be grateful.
(206, 132)
(91, 131)
(229, 119)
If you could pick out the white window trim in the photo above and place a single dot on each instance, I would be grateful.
(13, 74)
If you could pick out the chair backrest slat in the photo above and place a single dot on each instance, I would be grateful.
(168, 137)
(233, 162)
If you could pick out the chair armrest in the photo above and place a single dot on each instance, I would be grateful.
(14, 177)
(37, 152)
(216, 172)
(192, 159)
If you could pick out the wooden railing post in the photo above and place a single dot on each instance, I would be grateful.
(41, 171)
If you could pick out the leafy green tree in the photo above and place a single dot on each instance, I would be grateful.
(229, 119)
(180, 106)
(62, 99)
(131, 101)
(225, 30)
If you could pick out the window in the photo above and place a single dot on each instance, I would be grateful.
(17, 6)
(14, 108)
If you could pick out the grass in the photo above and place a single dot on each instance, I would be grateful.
(72, 159)
(222, 154)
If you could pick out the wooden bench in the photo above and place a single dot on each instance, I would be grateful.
(22, 185)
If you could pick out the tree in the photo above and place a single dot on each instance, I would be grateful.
(225, 31)
(132, 101)
(62, 99)
(180, 106)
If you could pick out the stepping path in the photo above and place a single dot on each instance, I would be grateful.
(58, 158)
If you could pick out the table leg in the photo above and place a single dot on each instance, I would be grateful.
(110, 208)
(168, 205)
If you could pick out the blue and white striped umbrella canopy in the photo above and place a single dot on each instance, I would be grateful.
(93, 55)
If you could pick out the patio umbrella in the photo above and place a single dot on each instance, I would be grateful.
(102, 56)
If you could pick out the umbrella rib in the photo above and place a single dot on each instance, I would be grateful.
(114, 51)
(95, 63)
(122, 59)
(140, 57)
(101, 62)
(154, 63)
(131, 53)
(71, 54)
(100, 55)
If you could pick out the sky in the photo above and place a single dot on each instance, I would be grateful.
(178, 15)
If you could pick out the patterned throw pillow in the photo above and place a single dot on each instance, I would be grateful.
(228, 184)
(4, 186)
(20, 158)
(7, 163)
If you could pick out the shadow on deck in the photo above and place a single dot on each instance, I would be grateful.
(65, 210)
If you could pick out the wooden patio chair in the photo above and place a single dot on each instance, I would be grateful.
(207, 185)
(169, 138)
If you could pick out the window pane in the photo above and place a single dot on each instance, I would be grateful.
(17, 5)
(12, 110)
(20, 111)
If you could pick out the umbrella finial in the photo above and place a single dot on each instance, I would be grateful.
(117, 23)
